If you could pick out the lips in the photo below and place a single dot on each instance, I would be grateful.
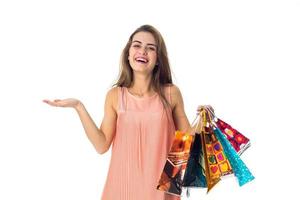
(141, 60)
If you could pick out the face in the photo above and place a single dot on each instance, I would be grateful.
(143, 52)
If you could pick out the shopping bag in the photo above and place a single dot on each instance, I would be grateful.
(202, 158)
(172, 176)
(195, 171)
(241, 171)
(215, 159)
(239, 142)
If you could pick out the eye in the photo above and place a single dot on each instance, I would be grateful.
(152, 48)
(136, 45)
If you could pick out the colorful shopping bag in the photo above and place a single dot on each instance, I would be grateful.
(215, 159)
(174, 169)
(201, 159)
(241, 171)
(239, 142)
(195, 171)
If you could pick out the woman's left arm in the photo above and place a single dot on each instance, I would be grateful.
(180, 119)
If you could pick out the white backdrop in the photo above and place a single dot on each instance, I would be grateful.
(241, 57)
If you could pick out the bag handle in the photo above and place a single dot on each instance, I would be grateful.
(200, 117)
(211, 112)
(208, 116)
(194, 125)
(205, 115)
(212, 116)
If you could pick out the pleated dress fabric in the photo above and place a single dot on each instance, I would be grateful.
(143, 138)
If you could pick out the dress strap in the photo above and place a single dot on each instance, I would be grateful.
(121, 98)
(169, 94)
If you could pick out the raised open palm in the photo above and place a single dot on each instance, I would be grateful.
(69, 102)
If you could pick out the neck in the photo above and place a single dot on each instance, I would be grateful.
(141, 84)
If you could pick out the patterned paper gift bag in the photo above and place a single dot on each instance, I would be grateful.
(184, 166)
(232, 151)
(240, 170)
(216, 162)
(239, 142)
(173, 172)
(195, 171)
(201, 158)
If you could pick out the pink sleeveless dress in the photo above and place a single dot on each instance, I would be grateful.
(140, 147)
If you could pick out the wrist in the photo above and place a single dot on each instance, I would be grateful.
(78, 106)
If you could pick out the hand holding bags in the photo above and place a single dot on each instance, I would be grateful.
(201, 159)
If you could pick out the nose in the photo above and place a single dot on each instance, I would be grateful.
(143, 50)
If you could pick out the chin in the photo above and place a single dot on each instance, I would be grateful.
(139, 69)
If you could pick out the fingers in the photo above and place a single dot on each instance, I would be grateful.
(211, 108)
(203, 107)
(52, 103)
(200, 107)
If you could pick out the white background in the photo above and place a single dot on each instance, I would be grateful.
(241, 57)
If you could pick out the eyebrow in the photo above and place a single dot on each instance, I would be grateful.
(141, 43)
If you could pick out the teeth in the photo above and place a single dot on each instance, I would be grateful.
(142, 60)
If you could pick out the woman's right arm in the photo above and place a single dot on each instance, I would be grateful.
(100, 138)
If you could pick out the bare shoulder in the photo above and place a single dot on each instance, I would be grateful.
(112, 97)
(180, 119)
(174, 89)
(175, 95)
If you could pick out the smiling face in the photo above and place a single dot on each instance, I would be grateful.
(143, 52)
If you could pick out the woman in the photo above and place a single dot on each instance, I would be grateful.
(141, 115)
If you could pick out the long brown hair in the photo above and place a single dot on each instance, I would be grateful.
(161, 74)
